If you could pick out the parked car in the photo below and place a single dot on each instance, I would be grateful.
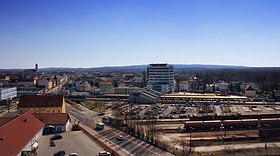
(182, 116)
(56, 137)
(59, 153)
(101, 114)
(104, 153)
(73, 154)
(105, 119)
(119, 138)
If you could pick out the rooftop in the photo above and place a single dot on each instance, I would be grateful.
(18, 132)
(205, 96)
(52, 118)
(41, 101)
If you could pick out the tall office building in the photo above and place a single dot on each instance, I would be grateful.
(160, 77)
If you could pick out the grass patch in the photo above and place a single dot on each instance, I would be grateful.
(97, 106)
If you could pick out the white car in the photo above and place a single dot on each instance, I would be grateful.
(73, 154)
(119, 138)
(104, 153)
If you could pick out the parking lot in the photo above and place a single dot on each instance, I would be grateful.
(74, 141)
(181, 111)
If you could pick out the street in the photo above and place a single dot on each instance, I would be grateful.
(130, 144)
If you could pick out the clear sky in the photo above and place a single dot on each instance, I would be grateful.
(93, 33)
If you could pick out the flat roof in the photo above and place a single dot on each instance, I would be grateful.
(203, 96)
(2, 88)
(115, 95)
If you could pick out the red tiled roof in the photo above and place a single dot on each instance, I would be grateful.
(41, 101)
(106, 83)
(52, 118)
(18, 132)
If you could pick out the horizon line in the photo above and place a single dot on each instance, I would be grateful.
(112, 66)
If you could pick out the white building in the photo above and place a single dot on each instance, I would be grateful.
(160, 77)
(250, 92)
(46, 82)
(222, 86)
(85, 86)
(8, 93)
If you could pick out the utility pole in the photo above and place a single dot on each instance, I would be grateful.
(190, 149)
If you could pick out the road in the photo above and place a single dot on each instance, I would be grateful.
(57, 89)
(130, 144)
(12, 112)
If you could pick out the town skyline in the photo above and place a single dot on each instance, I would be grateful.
(119, 33)
(138, 67)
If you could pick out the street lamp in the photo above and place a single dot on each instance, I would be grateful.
(190, 149)
(223, 128)
(265, 140)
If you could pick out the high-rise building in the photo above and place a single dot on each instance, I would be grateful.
(160, 77)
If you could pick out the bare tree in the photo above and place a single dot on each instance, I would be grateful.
(184, 146)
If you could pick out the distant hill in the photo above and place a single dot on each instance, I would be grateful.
(137, 68)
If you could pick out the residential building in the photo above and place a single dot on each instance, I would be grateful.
(54, 122)
(244, 86)
(26, 82)
(160, 77)
(46, 82)
(276, 95)
(8, 93)
(250, 91)
(106, 87)
(4, 78)
(184, 86)
(85, 86)
(42, 103)
(19, 135)
(221, 86)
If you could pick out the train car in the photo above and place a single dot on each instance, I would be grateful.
(193, 125)
(250, 123)
(202, 125)
(270, 123)
(240, 124)
(231, 124)
(212, 125)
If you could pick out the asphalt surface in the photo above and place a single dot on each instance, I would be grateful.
(12, 112)
(131, 144)
(74, 141)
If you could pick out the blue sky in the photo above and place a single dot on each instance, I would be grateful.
(93, 33)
